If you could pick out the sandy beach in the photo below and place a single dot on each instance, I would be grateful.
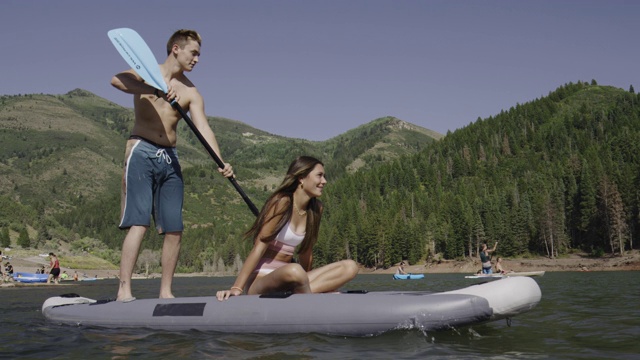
(574, 262)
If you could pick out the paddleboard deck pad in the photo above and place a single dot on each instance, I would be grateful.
(357, 313)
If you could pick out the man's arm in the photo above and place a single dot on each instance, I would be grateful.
(196, 110)
(129, 82)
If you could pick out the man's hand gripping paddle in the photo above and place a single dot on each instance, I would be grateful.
(137, 54)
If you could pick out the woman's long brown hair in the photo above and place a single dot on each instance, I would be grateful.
(299, 168)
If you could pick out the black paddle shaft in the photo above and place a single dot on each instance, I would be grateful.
(215, 156)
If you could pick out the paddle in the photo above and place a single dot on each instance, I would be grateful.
(137, 54)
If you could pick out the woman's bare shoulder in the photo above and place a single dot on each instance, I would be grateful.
(279, 201)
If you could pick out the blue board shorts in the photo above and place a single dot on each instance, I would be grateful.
(152, 185)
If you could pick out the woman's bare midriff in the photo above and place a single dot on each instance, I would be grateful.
(276, 255)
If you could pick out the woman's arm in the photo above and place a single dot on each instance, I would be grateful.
(260, 245)
(306, 259)
(250, 263)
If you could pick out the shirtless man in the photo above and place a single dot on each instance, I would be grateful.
(152, 175)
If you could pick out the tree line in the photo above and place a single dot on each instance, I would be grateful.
(544, 178)
(553, 175)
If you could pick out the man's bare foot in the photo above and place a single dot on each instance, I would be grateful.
(125, 297)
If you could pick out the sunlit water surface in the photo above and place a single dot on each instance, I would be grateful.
(592, 315)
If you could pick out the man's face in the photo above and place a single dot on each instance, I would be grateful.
(189, 55)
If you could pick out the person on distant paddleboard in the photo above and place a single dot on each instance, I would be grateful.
(499, 268)
(152, 182)
(485, 258)
(400, 269)
(290, 219)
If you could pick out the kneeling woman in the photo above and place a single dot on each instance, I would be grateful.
(290, 218)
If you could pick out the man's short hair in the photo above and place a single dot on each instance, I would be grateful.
(181, 37)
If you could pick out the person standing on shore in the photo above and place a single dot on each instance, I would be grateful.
(485, 258)
(54, 268)
(290, 218)
(152, 182)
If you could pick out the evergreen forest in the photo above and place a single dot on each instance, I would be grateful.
(545, 178)
(554, 175)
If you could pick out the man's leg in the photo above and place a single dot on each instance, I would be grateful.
(130, 249)
(170, 252)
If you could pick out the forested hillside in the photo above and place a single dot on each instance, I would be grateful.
(61, 165)
(552, 175)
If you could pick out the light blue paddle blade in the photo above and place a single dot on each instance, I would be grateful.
(137, 54)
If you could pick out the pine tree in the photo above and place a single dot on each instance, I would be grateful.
(617, 229)
(5, 240)
(23, 239)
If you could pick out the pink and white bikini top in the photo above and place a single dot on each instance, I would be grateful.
(286, 240)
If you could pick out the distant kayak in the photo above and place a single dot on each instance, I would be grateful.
(525, 273)
(509, 274)
(485, 276)
(25, 277)
(408, 276)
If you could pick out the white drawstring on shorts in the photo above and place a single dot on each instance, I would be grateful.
(161, 154)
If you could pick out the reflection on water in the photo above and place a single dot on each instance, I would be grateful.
(581, 315)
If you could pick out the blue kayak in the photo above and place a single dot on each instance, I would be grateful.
(25, 277)
(408, 276)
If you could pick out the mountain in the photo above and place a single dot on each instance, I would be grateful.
(549, 177)
(62, 158)
(555, 175)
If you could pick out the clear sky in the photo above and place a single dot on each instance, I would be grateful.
(315, 69)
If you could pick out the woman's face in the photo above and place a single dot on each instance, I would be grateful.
(314, 182)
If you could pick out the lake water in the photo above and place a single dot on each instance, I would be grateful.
(591, 315)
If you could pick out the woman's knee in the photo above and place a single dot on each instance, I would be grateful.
(295, 274)
(350, 268)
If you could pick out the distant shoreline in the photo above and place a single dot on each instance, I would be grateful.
(574, 262)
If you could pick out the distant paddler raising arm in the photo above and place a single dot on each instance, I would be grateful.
(485, 258)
